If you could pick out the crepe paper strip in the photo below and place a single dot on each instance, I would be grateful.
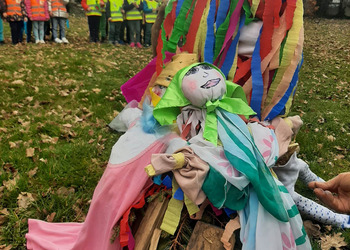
(167, 182)
(191, 207)
(243, 154)
(217, 211)
(157, 180)
(131, 242)
(290, 9)
(254, 7)
(193, 28)
(231, 28)
(281, 105)
(257, 80)
(229, 212)
(290, 58)
(232, 52)
(248, 13)
(210, 37)
(230, 227)
(276, 13)
(178, 7)
(266, 35)
(179, 194)
(179, 25)
(243, 68)
(172, 215)
(222, 12)
(199, 43)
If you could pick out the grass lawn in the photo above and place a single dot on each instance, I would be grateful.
(56, 100)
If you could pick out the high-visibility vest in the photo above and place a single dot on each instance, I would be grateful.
(37, 7)
(57, 5)
(134, 14)
(151, 17)
(13, 8)
(95, 8)
(115, 7)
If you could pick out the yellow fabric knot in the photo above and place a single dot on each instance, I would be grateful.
(150, 170)
(179, 160)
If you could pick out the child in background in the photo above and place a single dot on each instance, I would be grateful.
(114, 12)
(38, 13)
(59, 14)
(15, 13)
(150, 9)
(133, 10)
(93, 13)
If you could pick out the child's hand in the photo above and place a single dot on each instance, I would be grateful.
(50, 13)
(88, 9)
(4, 15)
(122, 11)
(25, 19)
(109, 19)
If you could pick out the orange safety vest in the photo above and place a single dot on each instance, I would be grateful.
(57, 5)
(13, 8)
(38, 9)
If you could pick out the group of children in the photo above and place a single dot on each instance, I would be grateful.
(132, 14)
(34, 14)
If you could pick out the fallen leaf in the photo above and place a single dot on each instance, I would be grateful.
(67, 125)
(96, 90)
(91, 141)
(43, 160)
(11, 184)
(312, 230)
(12, 144)
(332, 241)
(19, 82)
(32, 172)
(63, 191)
(3, 130)
(50, 217)
(24, 200)
(30, 152)
(331, 138)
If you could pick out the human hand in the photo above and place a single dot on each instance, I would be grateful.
(334, 193)
(4, 15)
(109, 19)
(50, 13)
(88, 9)
(122, 11)
(25, 19)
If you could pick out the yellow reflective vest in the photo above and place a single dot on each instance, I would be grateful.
(151, 17)
(134, 14)
(95, 8)
(115, 8)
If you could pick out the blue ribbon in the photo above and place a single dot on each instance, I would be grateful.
(230, 56)
(222, 12)
(210, 38)
(178, 6)
(257, 79)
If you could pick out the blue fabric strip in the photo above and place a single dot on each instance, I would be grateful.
(230, 57)
(179, 194)
(157, 179)
(210, 38)
(257, 79)
(222, 12)
(178, 6)
(167, 182)
(278, 108)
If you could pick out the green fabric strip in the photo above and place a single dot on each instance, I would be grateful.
(293, 211)
(283, 189)
(302, 239)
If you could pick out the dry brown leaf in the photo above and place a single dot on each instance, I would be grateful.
(50, 217)
(96, 90)
(3, 130)
(5, 247)
(339, 148)
(80, 216)
(3, 219)
(339, 157)
(11, 184)
(63, 191)
(67, 125)
(32, 172)
(19, 82)
(43, 160)
(332, 241)
(331, 138)
(312, 230)
(24, 200)
(30, 152)
(91, 141)
(12, 144)
(4, 211)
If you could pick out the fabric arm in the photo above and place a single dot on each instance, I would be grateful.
(127, 6)
(84, 5)
(28, 8)
(146, 9)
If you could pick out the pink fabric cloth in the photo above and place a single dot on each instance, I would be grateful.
(134, 88)
(119, 188)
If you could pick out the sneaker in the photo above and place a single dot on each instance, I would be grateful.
(37, 41)
(132, 45)
(121, 42)
(64, 40)
(57, 40)
(42, 41)
(147, 45)
(138, 45)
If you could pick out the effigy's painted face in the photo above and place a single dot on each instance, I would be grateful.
(203, 83)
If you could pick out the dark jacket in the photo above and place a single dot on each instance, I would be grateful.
(14, 17)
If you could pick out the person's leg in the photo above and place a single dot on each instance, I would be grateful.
(13, 28)
(90, 20)
(41, 31)
(117, 31)
(94, 26)
(111, 35)
(148, 29)
(1, 32)
(36, 31)
(132, 29)
(62, 24)
(102, 26)
(29, 30)
(55, 28)
(138, 33)
(21, 29)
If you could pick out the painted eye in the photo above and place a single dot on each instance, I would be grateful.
(205, 67)
(192, 71)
